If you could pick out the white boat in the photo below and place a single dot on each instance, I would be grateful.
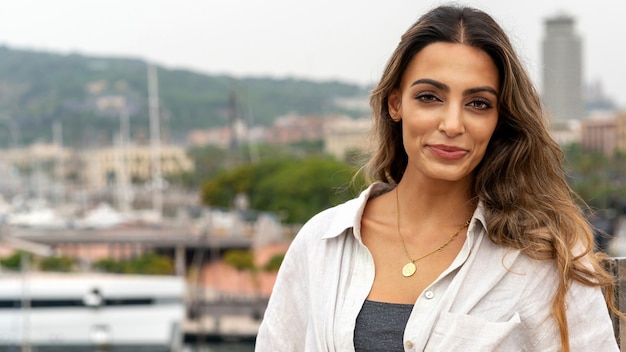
(40, 218)
(103, 217)
(59, 310)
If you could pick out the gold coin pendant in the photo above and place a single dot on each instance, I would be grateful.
(409, 269)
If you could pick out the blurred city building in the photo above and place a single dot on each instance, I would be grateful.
(340, 134)
(39, 164)
(578, 112)
(604, 132)
(562, 69)
(296, 128)
(96, 167)
(37, 152)
(599, 135)
(566, 132)
(345, 135)
(102, 165)
(620, 130)
(223, 136)
(220, 137)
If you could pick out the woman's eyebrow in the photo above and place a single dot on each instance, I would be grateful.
(432, 82)
(445, 88)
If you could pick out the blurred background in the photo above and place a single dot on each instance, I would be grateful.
(157, 157)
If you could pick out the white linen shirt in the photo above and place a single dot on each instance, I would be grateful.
(490, 298)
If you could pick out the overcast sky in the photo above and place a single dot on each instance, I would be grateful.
(348, 40)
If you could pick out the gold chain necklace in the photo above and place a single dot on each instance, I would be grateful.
(409, 268)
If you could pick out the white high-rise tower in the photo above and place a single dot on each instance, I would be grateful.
(562, 70)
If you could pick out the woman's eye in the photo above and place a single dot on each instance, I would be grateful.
(480, 104)
(426, 97)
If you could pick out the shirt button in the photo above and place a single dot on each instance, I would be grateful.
(429, 294)
(409, 344)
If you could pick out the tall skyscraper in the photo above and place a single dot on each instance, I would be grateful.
(562, 70)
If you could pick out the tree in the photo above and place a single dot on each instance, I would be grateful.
(243, 260)
(13, 261)
(150, 264)
(240, 259)
(590, 175)
(301, 189)
(147, 264)
(60, 264)
(43, 87)
(208, 160)
(274, 263)
(297, 188)
(109, 265)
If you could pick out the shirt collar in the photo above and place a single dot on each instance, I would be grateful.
(479, 214)
(348, 215)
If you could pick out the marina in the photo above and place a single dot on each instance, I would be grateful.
(76, 309)
(203, 303)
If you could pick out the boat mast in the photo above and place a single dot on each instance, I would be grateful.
(59, 171)
(155, 141)
(123, 183)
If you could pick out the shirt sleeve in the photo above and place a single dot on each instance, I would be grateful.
(589, 325)
(284, 324)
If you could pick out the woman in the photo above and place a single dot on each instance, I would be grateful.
(470, 239)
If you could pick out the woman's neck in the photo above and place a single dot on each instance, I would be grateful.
(437, 201)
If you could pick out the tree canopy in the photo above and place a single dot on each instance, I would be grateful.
(597, 178)
(294, 188)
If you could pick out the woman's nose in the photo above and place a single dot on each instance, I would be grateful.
(451, 122)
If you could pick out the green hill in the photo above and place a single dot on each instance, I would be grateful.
(83, 93)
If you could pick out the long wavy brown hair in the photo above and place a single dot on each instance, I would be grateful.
(521, 181)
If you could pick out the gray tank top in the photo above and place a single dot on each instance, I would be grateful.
(380, 326)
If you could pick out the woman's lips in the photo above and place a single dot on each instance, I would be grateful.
(447, 152)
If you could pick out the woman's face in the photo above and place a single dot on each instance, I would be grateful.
(448, 104)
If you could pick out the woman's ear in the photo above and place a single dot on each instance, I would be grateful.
(393, 105)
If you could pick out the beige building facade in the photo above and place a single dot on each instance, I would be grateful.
(620, 131)
(134, 163)
(38, 152)
(344, 135)
(599, 136)
(99, 167)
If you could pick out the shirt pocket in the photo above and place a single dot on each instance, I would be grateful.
(462, 332)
